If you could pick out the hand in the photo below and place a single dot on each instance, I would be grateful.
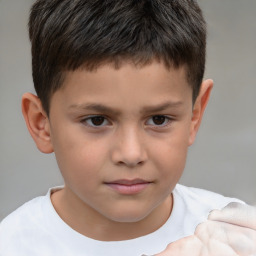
(227, 232)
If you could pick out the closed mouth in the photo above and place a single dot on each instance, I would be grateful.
(128, 187)
(128, 182)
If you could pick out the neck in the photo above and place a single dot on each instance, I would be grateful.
(91, 223)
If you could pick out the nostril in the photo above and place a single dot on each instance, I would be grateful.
(129, 149)
(130, 164)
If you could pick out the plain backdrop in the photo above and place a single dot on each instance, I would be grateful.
(223, 159)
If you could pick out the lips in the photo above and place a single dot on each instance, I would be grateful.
(128, 187)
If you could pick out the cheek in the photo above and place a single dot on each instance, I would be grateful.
(79, 158)
(170, 155)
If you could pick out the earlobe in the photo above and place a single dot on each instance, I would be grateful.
(37, 122)
(199, 108)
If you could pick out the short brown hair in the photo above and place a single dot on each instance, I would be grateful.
(72, 34)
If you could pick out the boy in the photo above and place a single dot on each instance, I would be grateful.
(120, 99)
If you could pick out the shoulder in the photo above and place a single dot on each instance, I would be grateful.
(196, 203)
(23, 222)
(204, 197)
(31, 212)
(23, 215)
(193, 205)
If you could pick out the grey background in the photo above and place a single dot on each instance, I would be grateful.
(223, 159)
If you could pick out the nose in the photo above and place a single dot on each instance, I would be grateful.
(129, 148)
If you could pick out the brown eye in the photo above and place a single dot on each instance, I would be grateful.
(159, 120)
(95, 121)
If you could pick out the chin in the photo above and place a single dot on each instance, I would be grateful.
(128, 216)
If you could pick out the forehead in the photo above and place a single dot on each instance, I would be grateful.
(154, 71)
(128, 84)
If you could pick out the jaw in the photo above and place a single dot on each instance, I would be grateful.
(119, 223)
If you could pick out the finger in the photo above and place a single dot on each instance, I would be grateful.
(193, 246)
(235, 213)
(239, 239)
(190, 245)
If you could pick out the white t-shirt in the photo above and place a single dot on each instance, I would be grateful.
(36, 229)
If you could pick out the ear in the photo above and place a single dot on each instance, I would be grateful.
(199, 107)
(37, 122)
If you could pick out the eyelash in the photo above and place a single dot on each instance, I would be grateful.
(85, 121)
(167, 121)
(89, 118)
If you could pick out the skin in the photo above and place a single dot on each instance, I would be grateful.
(147, 122)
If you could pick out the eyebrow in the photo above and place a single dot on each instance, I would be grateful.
(105, 109)
(94, 107)
(162, 106)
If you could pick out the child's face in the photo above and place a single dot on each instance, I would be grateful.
(121, 137)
